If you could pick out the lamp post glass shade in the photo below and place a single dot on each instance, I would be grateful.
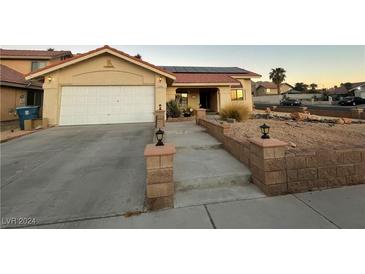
(265, 130)
(159, 137)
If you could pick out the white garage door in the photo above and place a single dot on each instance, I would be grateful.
(106, 105)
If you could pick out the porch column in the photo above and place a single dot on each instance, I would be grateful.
(170, 93)
(246, 85)
(224, 97)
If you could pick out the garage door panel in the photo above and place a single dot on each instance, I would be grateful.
(106, 104)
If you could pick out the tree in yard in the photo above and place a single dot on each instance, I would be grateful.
(313, 86)
(50, 49)
(347, 85)
(300, 86)
(278, 76)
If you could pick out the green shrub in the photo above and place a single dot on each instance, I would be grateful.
(237, 112)
(172, 109)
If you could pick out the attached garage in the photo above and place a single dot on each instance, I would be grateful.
(85, 105)
(103, 86)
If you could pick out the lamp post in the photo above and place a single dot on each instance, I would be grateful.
(265, 129)
(159, 136)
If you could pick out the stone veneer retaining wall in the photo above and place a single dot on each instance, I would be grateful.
(344, 113)
(277, 171)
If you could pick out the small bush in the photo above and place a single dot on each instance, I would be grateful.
(237, 112)
(172, 109)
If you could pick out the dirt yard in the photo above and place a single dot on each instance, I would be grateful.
(305, 135)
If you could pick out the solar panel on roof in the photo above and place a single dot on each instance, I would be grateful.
(188, 69)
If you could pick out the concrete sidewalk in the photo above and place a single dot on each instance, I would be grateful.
(332, 208)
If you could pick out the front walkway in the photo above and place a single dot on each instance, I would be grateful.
(204, 172)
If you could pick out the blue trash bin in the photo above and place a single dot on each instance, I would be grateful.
(27, 113)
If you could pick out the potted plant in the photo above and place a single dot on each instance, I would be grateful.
(188, 112)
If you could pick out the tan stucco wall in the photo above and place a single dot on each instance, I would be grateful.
(24, 66)
(95, 71)
(225, 95)
(10, 98)
(193, 98)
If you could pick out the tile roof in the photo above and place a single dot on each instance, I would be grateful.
(78, 56)
(9, 76)
(204, 78)
(270, 85)
(34, 53)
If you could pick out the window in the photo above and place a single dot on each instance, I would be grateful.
(237, 95)
(182, 100)
(38, 64)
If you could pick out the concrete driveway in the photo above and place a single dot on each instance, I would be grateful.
(74, 173)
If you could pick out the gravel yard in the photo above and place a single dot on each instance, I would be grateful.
(305, 135)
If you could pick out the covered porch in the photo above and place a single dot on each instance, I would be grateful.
(204, 97)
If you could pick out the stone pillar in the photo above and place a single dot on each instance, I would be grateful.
(356, 113)
(268, 166)
(200, 113)
(160, 121)
(160, 179)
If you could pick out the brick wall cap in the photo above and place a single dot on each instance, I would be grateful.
(153, 150)
(159, 111)
(268, 142)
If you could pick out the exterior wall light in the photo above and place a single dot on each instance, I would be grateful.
(159, 107)
(160, 79)
(49, 78)
(265, 129)
(159, 136)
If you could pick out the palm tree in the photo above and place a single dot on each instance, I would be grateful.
(278, 76)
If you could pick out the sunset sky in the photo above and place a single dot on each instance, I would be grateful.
(324, 65)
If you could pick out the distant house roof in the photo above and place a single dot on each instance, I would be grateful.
(33, 54)
(13, 78)
(270, 85)
(356, 85)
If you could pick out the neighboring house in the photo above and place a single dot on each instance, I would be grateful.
(270, 88)
(358, 89)
(106, 85)
(339, 92)
(26, 61)
(15, 90)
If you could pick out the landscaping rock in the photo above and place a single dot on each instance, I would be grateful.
(268, 110)
(347, 120)
(231, 120)
(298, 116)
(340, 121)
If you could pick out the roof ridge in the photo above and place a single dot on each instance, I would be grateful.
(96, 50)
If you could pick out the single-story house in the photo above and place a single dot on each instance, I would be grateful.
(15, 91)
(358, 89)
(270, 88)
(106, 85)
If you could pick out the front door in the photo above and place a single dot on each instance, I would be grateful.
(205, 99)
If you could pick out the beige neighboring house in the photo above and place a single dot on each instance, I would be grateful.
(14, 89)
(270, 88)
(107, 86)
